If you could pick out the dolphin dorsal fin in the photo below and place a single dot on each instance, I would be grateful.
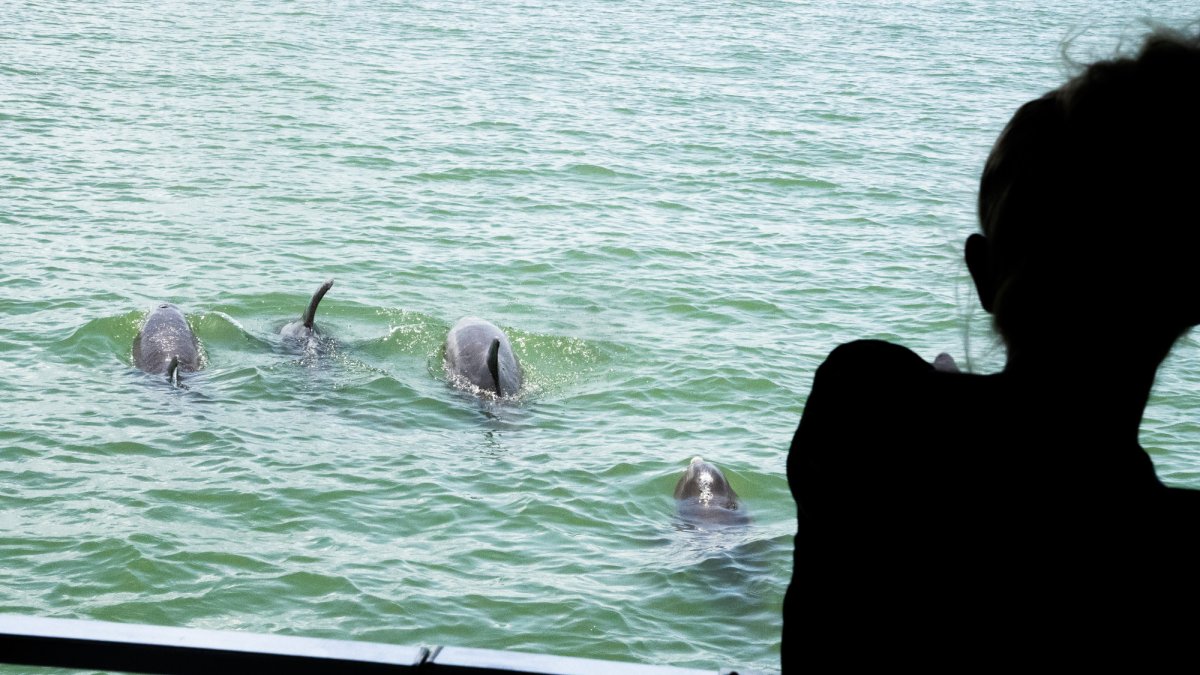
(311, 312)
(173, 370)
(493, 363)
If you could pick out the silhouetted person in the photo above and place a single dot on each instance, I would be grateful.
(1014, 515)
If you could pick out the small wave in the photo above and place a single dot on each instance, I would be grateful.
(10, 117)
(594, 171)
(620, 252)
(840, 117)
(301, 199)
(695, 312)
(109, 335)
(753, 305)
(671, 206)
(465, 174)
(795, 182)
(459, 382)
(369, 162)
(491, 124)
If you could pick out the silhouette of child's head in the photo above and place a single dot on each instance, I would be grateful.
(1090, 204)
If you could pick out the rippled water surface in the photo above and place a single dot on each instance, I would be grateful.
(675, 210)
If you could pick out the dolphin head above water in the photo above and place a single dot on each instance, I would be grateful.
(702, 494)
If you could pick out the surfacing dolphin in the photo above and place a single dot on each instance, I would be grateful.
(945, 363)
(702, 495)
(479, 353)
(166, 344)
(304, 327)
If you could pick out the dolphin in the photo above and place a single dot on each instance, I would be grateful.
(702, 495)
(166, 344)
(479, 353)
(304, 327)
(945, 363)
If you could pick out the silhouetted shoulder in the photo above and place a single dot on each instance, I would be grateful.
(1183, 511)
(871, 359)
(879, 420)
(871, 468)
(865, 377)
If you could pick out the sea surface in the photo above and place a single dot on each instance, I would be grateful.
(675, 210)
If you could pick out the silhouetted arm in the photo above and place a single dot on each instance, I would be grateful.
(856, 426)
(852, 448)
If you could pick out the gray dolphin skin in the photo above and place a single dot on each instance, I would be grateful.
(305, 326)
(479, 353)
(166, 344)
(945, 363)
(702, 495)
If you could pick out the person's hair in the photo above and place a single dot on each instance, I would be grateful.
(1090, 196)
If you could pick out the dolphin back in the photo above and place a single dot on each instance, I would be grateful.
(493, 364)
(479, 354)
(306, 326)
(166, 344)
(311, 313)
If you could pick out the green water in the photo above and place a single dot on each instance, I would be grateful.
(676, 211)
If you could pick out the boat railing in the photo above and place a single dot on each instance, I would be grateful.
(138, 648)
